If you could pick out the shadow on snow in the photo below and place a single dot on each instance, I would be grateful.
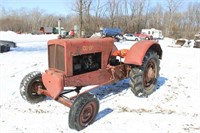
(28, 49)
(103, 113)
(161, 82)
(104, 92)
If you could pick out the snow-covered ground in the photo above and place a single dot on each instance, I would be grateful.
(173, 108)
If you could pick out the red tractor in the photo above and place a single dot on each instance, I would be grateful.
(83, 62)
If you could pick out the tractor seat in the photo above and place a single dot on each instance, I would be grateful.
(121, 53)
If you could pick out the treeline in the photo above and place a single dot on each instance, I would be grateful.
(129, 15)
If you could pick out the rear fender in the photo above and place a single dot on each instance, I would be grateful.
(137, 52)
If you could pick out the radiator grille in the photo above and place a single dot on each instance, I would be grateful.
(51, 55)
(56, 57)
(60, 58)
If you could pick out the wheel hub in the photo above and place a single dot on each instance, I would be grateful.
(87, 113)
(34, 89)
(150, 73)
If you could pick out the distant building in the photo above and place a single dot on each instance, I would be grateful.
(46, 30)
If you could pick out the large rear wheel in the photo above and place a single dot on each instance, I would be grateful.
(29, 85)
(143, 79)
(83, 111)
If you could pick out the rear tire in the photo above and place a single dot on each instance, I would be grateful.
(29, 85)
(83, 111)
(143, 79)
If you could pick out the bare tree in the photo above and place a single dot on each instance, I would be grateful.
(100, 13)
(137, 15)
(112, 10)
(80, 17)
(79, 10)
(83, 10)
(129, 15)
(172, 6)
(155, 17)
(87, 16)
(97, 14)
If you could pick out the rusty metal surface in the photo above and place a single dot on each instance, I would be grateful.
(74, 47)
(150, 73)
(180, 42)
(64, 101)
(114, 73)
(62, 73)
(53, 82)
(197, 41)
(87, 114)
(137, 52)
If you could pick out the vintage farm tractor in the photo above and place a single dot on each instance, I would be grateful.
(83, 62)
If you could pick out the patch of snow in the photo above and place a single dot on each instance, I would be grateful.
(172, 108)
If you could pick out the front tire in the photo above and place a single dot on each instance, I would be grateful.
(143, 79)
(29, 85)
(83, 111)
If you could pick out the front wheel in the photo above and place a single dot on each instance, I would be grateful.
(143, 79)
(29, 86)
(83, 111)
